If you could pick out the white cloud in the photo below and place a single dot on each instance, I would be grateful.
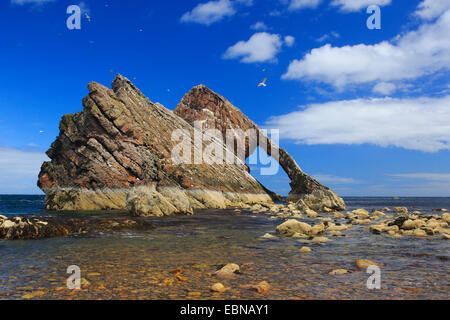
(210, 12)
(259, 26)
(421, 184)
(36, 2)
(261, 47)
(275, 13)
(412, 55)
(19, 170)
(430, 9)
(289, 41)
(328, 36)
(332, 179)
(401, 188)
(303, 4)
(356, 5)
(415, 124)
(445, 177)
(385, 88)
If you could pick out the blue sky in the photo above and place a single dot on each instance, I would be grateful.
(367, 112)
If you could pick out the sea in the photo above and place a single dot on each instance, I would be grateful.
(140, 264)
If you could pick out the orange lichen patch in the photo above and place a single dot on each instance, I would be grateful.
(187, 184)
(132, 179)
(139, 139)
(45, 181)
(124, 128)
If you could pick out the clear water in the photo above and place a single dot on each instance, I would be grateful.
(136, 265)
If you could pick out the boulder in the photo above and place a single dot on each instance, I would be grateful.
(311, 213)
(338, 272)
(339, 215)
(378, 213)
(361, 213)
(228, 271)
(419, 233)
(400, 210)
(320, 239)
(378, 229)
(318, 229)
(333, 227)
(218, 287)
(290, 227)
(433, 224)
(398, 221)
(262, 288)
(364, 264)
(412, 224)
(269, 236)
(361, 221)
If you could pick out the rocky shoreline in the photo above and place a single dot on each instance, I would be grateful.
(117, 154)
(301, 223)
(396, 223)
(28, 228)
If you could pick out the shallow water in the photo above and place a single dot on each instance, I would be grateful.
(136, 265)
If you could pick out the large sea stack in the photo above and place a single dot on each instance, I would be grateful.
(116, 154)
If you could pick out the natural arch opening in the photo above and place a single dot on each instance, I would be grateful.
(278, 182)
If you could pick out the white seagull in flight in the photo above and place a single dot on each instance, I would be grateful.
(263, 83)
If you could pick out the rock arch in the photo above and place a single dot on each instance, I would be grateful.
(202, 104)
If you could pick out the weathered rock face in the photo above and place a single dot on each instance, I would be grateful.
(116, 155)
(215, 112)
